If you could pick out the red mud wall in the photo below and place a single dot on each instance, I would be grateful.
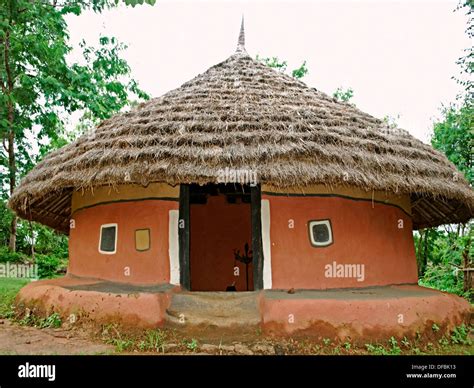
(363, 233)
(217, 228)
(146, 267)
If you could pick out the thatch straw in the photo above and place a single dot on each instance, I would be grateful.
(242, 114)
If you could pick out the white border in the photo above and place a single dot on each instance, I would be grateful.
(173, 246)
(266, 243)
(116, 237)
(320, 222)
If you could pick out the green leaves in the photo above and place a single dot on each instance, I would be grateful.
(280, 65)
(343, 95)
(45, 88)
(133, 3)
(300, 72)
(274, 63)
(454, 136)
(99, 84)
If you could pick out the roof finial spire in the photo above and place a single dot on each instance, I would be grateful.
(241, 42)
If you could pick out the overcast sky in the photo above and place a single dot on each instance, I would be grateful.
(397, 56)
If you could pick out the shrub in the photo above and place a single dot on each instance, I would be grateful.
(12, 257)
(48, 265)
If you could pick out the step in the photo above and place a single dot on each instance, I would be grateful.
(222, 309)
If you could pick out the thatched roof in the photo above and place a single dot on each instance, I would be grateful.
(242, 114)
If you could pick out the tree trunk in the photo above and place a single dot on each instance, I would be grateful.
(32, 231)
(12, 171)
(425, 250)
(467, 284)
(11, 136)
(420, 253)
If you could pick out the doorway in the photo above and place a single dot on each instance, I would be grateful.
(220, 243)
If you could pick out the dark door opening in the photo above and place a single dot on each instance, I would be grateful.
(220, 238)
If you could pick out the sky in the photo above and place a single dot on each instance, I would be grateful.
(398, 56)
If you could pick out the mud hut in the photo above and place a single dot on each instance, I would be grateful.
(247, 180)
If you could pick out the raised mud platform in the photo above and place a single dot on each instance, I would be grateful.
(364, 313)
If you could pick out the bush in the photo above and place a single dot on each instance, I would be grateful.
(440, 257)
(13, 257)
(48, 265)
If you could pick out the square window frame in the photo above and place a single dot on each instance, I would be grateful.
(325, 221)
(149, 239)
(116, 238)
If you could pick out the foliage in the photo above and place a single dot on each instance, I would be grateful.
(454, 136)
(191, 344)
(391, 121)
(40, 87)
(280, 65)
(133, 3)
(31, 319)
(13, 257)
(300, 72)
(441, 254)
(394, 348)
(460, 335)
(391, 349)
(440, 259)
(48, 265)
(340, 94)
(343, 95)
(466, 63)
(53, 320)
(273, 62)
(377, 349)
(5, 221)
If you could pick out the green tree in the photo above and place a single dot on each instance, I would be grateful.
(39, 87)
(466, 62)
(454, 136)
(280, 65)
(274, 62)
(442, 253)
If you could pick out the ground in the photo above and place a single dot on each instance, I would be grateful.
(29, 334)
(17, 339)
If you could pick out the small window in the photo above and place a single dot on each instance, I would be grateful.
(108, 239)
(142, 239)
(320, 233)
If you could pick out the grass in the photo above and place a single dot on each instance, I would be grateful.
(154, 341)
(143, 341)
(51, 321)
(9, 288)
(457, 342)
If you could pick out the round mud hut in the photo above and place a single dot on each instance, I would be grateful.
(245, 197)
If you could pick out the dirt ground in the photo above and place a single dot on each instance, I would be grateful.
(16, 339)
